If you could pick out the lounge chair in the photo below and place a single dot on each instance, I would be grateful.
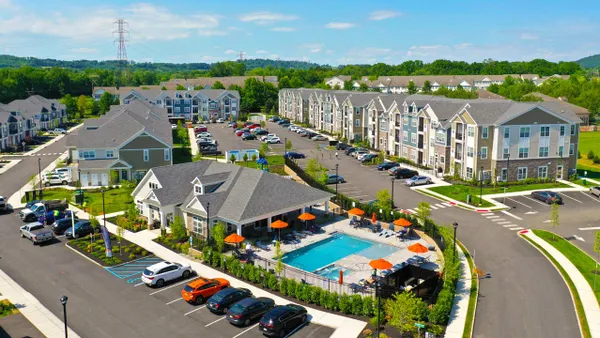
(298, 234)
(388, 233)
(307, 233)
(262, 246)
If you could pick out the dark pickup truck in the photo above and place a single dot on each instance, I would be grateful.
(32, 213)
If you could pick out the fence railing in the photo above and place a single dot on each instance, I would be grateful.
(302, 276)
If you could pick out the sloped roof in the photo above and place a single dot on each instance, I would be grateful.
(34, 105)
(579, 111)
(226, 81)
(359, 99)
(496, 112)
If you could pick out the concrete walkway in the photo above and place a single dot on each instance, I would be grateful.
(193, 144)
(586, 294)
(44, 320)
(345, 327)
(460, 304)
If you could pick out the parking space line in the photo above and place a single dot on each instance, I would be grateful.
(511, 215)
(590, 228)
(169, 287)
(504, 222)
(173, 301)
(296, 329)
(488, 214)
(576, 200)
(218, 320)
(498, 220)
(523, 204)
(536, 201)
(489, 217)
(517, 228)
(509, 225)
(590, 196)
(433, 207)
(447, 204)
(441, 206)
(194, 310)
(138, 284)
(248, 329)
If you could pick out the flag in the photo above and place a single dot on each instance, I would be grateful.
(106, 237)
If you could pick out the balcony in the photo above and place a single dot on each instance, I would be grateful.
(397, 139)
(420, 145)
(458, 157)
(458, 136)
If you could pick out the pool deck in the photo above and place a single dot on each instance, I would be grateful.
(360, 264)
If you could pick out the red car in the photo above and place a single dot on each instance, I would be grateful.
(239, 132)
(254, 126)
(200, 129)
(234, 126)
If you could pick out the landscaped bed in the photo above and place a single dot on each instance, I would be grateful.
(7, 308)
(459, 192)
(115, 199)
(95, 250)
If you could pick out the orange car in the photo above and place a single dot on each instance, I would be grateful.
(199, 290)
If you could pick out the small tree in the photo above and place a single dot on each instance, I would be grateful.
(423, 211)
(254, 158)
(312, 167)
(218, 234)
(246, 158)
(264, 148)
(288, 145)
(114, 177)
(412, 88)
(384, 199)
(95, 108)
(278, 257)
(591, 155)
(404, 310)
(262, 124)
(121, 223)
(82, 105)
(232, 158)
(554, 218)
(178, 230)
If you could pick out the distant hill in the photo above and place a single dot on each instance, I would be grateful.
(11, 61)
(592, 61)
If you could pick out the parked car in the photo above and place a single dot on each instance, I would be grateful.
(240, 132)
(405, 173)
(293, 127)
(595, 191)
(159, 273)
(268, 136)
(368, 158)
(221, 120)
(247, 137)
(358, 153)
(53, 179)
(204, 134)
(82, 229)
(253, 126)
(273, 140)
(282, 319)
(36, 233)
(293, 155)
(173, 126)
(299, 130)
(61, 225)
(66, 172)
(310, 134)
(302, 133)
(341, 146)
(59, 131)
(547, 196)
(3, 204)
(201, 289)
(280, 122)
(201, 129)
(260, 132)
(387, 165)
(393, 170)
(247, 310)
(34, 211)
(333, 178)
(31, 203)
(418, 180)
(285, 125)
(50, 216)
(319, 138)
(274, 118)
(224, 299)
(349, 150)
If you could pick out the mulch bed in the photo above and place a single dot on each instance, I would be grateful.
(129, 253)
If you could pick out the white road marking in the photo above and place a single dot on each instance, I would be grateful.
(589, 228)
(248, 329)
(169, 287)
(523, 204)
(498, 220)
(194, 310)
(433, 207)
(511, 215)
(175, 300)
(488, 214)
(509, 225)
(492, 216)
(536, 201)
(579, 238)
(531, 213)
(504, 222)
(576, 200)
(517, 228)
(590, 196)
(547, 221)
(440, 206)
(357, 196)
(138, 284)
(218, 320)
(447, 204)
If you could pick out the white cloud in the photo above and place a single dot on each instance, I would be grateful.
(283, 29)
(211, 32)
(274, 56)
(230, 51)
(528, 36)
(5, 4)
(463, 45)
(264, 18)
(383, 14)
(261, 52)
(84, 50)
(329, 52)
(340, 25)
(312, 47)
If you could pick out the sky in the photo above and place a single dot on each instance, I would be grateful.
(326, 32)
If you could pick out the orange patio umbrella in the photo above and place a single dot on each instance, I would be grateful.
(279, 224)
(380, 264)
(418, 248)
(402, 222)
(356, 211)
(373, 218)
(307, 217)
(234, 238)
(341, 280)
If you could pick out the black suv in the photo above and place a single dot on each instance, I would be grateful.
(225, 298)
(61, 225)
(282, 320)
(406, 173)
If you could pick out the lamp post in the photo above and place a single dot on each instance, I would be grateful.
(80, 186)
(376, 279)
(481, 189)
(103, 211)
(455, 226)
(208, 222)
(284, 146)
(393, 181)
(336, 181)
(63, 300)
(507, 175)
(40, 177)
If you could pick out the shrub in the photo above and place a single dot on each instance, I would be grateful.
(299, 292)
(283, 286)
(323, 298)
(591, 155)
(206, 251)
(251, 272)
(126, 250)
(596, 160)
(373, 321)
(144, 253)
(332, 301)
(578, 154)
(273, 282)
(383, 335)
(315, 294)
(345, 304)
(185, 248)
(357, 305)
(367, 333)
(216, 260)
(291, 287)
(436, 329)
(132, 256)
(367, 306)
(440, 312)
(258, 274)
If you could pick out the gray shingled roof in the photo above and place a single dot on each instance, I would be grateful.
(245, 194)
(359, 99)
(96, 164)
(34, 105)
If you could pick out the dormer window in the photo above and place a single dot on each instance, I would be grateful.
(198, 189)
(152, 185)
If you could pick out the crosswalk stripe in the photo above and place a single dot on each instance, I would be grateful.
(517, 228)
(498, 220)
(488, 214)
(509, 225)
(447, 204)
(504, 222)
(440, 206)
(492, 217)
(433, 207)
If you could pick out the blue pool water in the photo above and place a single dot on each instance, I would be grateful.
(333, 272)
(325, 252)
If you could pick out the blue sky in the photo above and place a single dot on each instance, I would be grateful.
(327, 32)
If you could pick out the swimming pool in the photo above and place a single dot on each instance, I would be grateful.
(333, 272)
(323, 253)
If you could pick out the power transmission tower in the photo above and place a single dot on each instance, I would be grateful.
(241, 56)
(121, 33)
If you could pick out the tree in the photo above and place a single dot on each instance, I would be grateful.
(106, 100)
(246, 158)
(363, 87)
(178, 230)
(591, 155)
(423, 211)
(278, 257)
(180, 87)
(312, 167)
(288, 144)
(264, 148)
(384, 200)
(412, 88)
(254, 157)
(218, 234)
(70, 106)
(554, 218)
(121, 223)
(348, 85)
(218, 85)
(426, 87)
(232, 158)
(82, 105)
(182, 134)
(596, 250)
(404, 310)
(262, 124)
(95, 108)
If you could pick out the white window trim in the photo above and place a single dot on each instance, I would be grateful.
(506, 131)
(112, 152)
(540, 151)
(197, 225)
(541, 128)
(571, 149)
(485, 134)
(146, 155)
(546, 169)
(484, 153)
(519, 169)
(167, 154)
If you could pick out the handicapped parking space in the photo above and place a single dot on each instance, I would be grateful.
(132, 271)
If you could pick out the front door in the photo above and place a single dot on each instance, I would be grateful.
(559, 172)
(84, 180)
(104, 177)
(94, 179)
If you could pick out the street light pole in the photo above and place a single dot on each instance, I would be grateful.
(40, 177)
(378, 300)
(393, 180)
(336, 182)
(507, 175)
(63, 300)
(208, 222)
(80, 186)
(455, 226)
(103, 211)
(481, 189)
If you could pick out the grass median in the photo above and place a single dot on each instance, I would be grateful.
(114, 199)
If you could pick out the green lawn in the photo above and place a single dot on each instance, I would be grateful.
(7, 308)
(276, 160)
(460, 192)
(588, 141)
(584, 263)
(114, 199)
(580, 182)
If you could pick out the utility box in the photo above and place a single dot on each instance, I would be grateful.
(468, 199)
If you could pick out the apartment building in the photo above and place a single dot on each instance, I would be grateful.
(381, 122)
(46, 114)
(15, 128)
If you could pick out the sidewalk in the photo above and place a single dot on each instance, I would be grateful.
(193, 144)
(460, 304)
(586, 294)
(345, 327)
(44, 320)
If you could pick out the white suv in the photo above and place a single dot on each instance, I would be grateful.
(54, 179)
(59, 131)
(159, 273)
(266, 137)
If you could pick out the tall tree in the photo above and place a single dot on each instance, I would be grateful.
(363, 87)
(70, 106)
(218, 233)
(95, 108)
(426, 87)
(82, 105)
(412, 88)
(404, 310)
(106, 100)
(348, 85)
(218, 85)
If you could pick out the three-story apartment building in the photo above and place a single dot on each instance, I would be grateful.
(14, 128)
(46, 114)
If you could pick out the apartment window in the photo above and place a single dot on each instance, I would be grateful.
(470, 131)
(186, 101)
(571, 149)
(357, 110)
(413, 122)
(198, 189)
(405, 119)
(405, 137)
(197, 225)
(470, 151)
(413, 138)
(572, 129)
(523, 152)
(544, 131)
(87, 154)
(561, 150)
(140, 207)
(405, 152)
(146, 155)
(176, 101)
(543, 151)
(484, 132)
(110, 154)
(562, 130)
(521, 173)
(483, 153)
(186, 109)
(158, 102)
(506, 132)
(152, 185)
(177, 109)
(504, 175)
(505, 153)
(357, 123)
(469, 173)
(167, 154)
(543, 172)
(524, 132)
